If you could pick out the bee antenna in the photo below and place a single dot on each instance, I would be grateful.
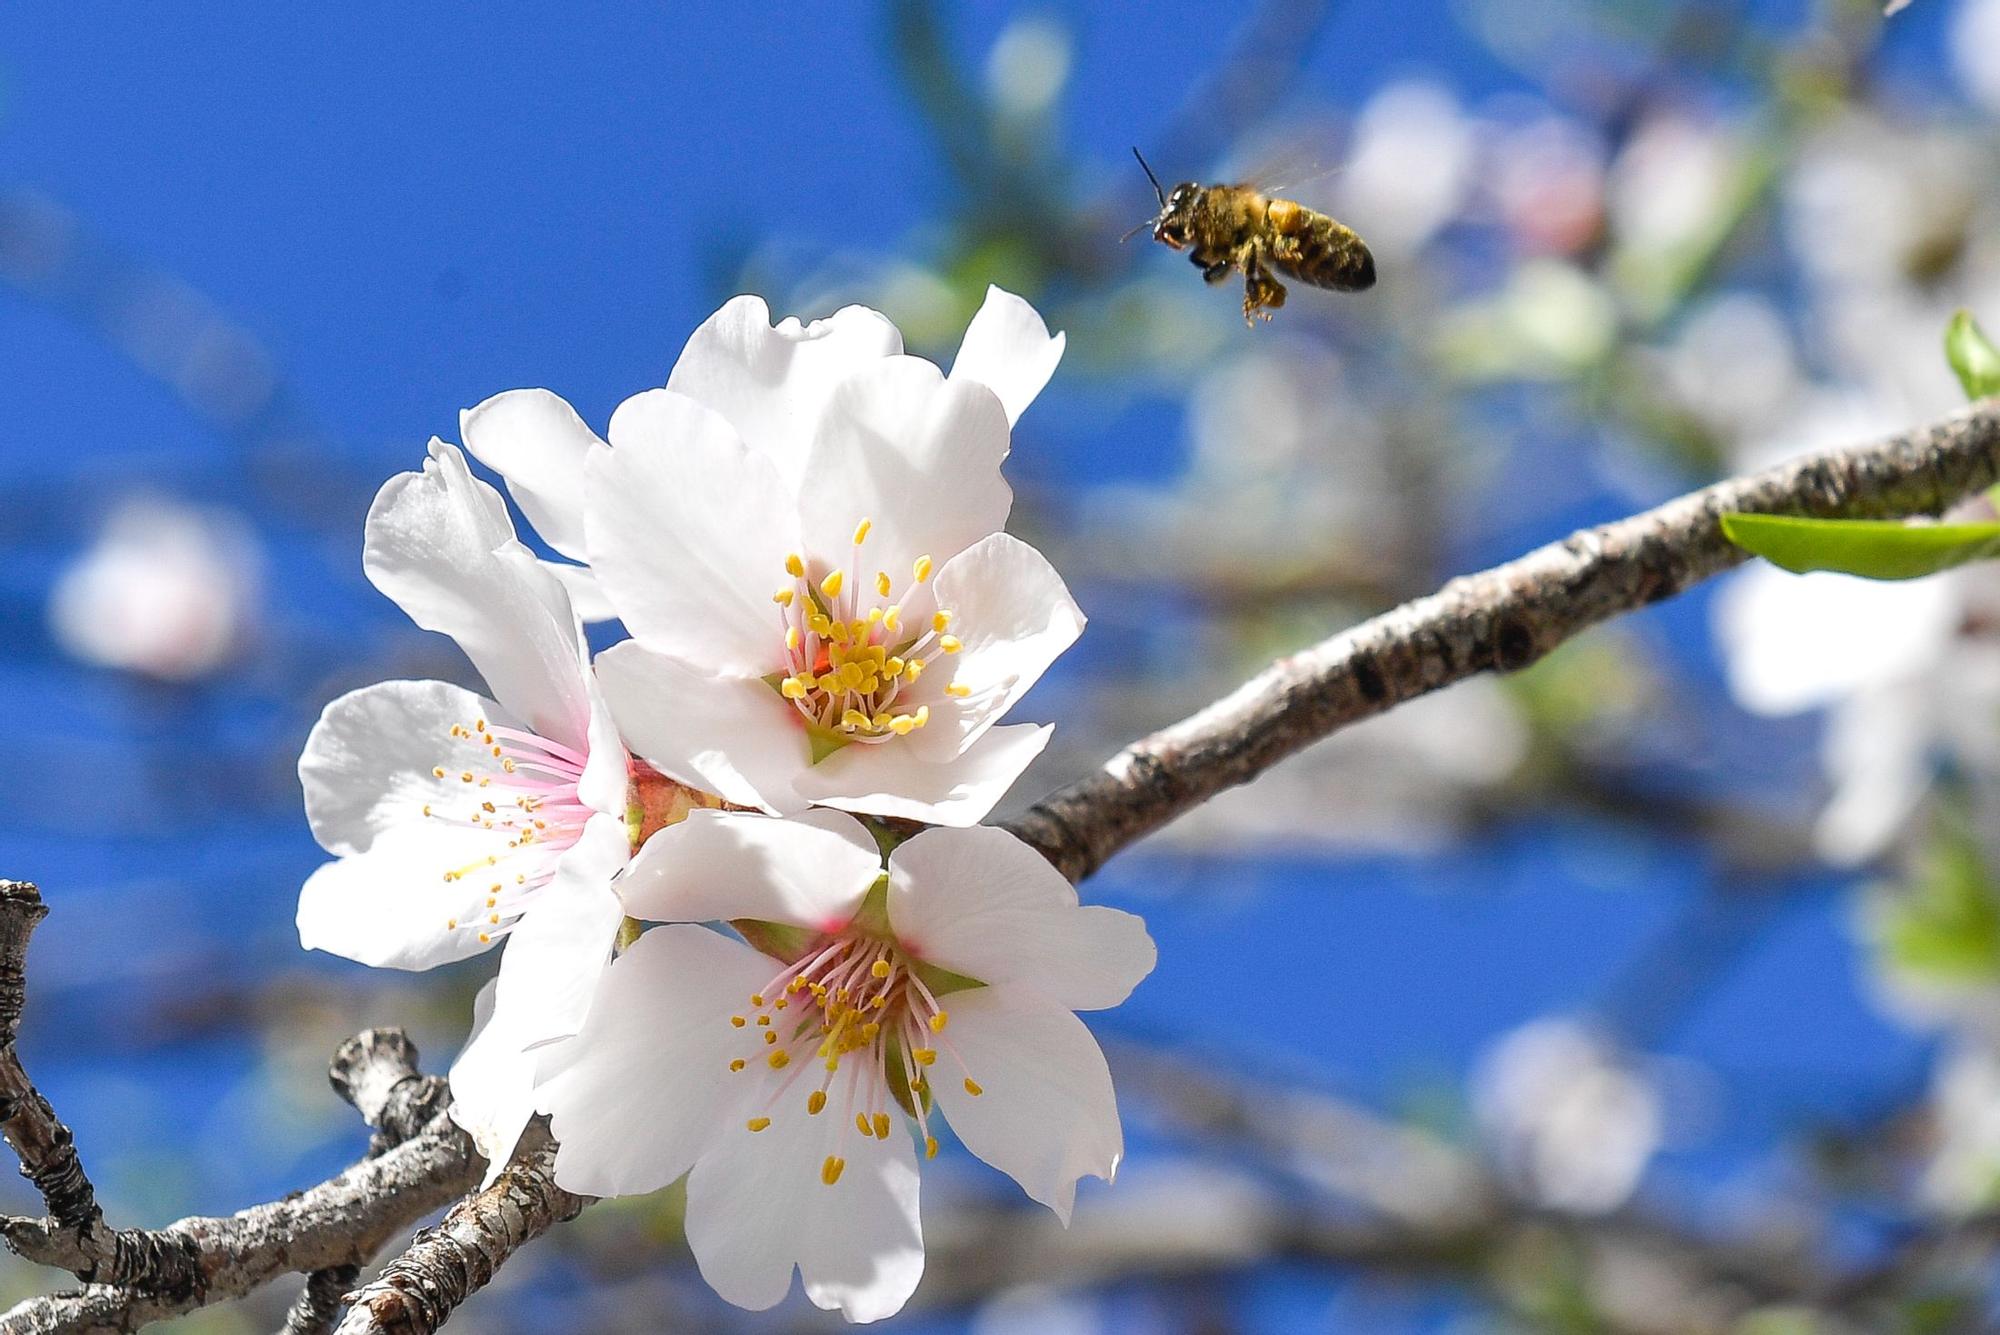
(1143, 224)
(1149, 176)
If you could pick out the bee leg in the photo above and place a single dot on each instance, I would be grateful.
(1262, 293)
(1210, 272)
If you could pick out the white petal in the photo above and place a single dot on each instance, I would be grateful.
(440, 544)
(557, 952)
(731, 736)
(1794, 642)
(647, 1084)
(895, 780)
(810, 871)
(537, 442)
(1014, 616)
(756, 1204)
(982, 903)
(492, 1085)
(391, 906)
(1877, 752)
(586, 596)
(688, 532)
(918, 456)
(367, 763)
(1008, 349)
(1046, 1114)
(771, 382)
(606, 773)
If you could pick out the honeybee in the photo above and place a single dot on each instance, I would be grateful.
(1227, 227)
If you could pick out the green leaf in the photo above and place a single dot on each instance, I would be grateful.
(1872, 548)
(825, 741)
(1972, 355)
(1946, 924)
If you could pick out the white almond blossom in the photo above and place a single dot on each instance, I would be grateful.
(457, 821)
(786, 1076)
(803, 532)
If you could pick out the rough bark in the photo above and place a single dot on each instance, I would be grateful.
(1499, 620)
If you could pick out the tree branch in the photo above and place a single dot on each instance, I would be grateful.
(341, 1222)
(420, 1289)
(1497, 620)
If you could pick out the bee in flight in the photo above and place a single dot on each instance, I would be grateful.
(1225, 227)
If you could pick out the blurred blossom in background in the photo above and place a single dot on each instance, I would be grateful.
(1478, 950)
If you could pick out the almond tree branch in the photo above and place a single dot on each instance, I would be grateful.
(1496, 620)
(420, 1289)
(420, 1161)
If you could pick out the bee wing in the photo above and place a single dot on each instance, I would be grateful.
(1295, 165)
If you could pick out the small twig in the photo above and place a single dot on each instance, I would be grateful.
(1497, 620)
(342, 1222)
(445, 1265)
(376, 1071)
(74, 1235)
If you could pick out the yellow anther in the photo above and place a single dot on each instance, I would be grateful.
(494, 920)
(881, 1126)
(736, 1065)
(783, 597)
(819, 625)
(861, 531)
(451, 924)
(795, 567)
(758, 1123)
(882, 584)
(939, 1021)
(858, 631)
(779, 1059)
(830, 586)
(892, 667)
(792, 688)
(972, 1087)
(930, 1147)
(870, 1030)
(507, 765)
(816, 1102)
(465, 777)
(780, 1003)
(939, 620)
(914, 668)
(922, 569)
(874, 615)
(770, 1035)
(958, 690)
(951, 644)
(879, 1002)
(853, 719)
(861, 1124)
(925, 1056)
(923, 715)
(738, 1021)
(881, 722)
(484, 939)
(763, 1019)
(829, 1172)
(901, 724)
(427, 808)
(880, 968)
(437, 771)
(479, 725)
(892, 619)
(756, 998)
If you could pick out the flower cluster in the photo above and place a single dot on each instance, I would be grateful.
(711, 969)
